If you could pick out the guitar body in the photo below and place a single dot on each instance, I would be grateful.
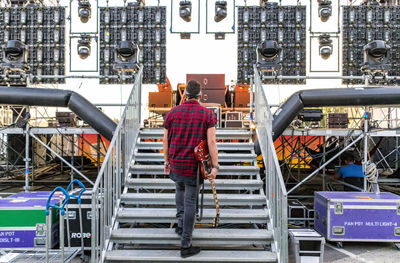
(202, 155)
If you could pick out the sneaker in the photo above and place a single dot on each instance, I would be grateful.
(190, 251)
(179, 230)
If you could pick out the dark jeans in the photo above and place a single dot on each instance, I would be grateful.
(186, 200)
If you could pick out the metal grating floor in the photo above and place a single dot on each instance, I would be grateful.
(36, 256)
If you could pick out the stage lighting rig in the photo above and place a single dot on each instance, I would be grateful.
(84, 49)
(325, 46)
(268, 56)
(185, 10)
(126, 56)
(220, 11)
(324, 9)
(84, 10)
(15, 56)
(376, 57)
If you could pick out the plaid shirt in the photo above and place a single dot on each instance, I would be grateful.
(187, 126)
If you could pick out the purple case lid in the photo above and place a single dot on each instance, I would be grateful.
(26, 202)
(358, 195)
(41, 194)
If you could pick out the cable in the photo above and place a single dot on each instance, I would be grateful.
(8, 126)
(319, 155)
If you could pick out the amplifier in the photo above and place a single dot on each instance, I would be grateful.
(338, 120)
(242, 96)
(212, 87)
(160, 99)
(233, 116)
(233, 124)
(213, 96)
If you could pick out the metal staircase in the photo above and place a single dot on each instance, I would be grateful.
(133, 201)
(147, 208)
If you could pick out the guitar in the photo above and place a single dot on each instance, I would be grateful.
(202, 155)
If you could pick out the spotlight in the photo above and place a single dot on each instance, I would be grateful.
(220, 11)
(84, 10)
(185, 10)
(268, 59)
(126, 56)
(325, 46)
(324, 10)
(84, 47)
(15, 55)
(376, 57)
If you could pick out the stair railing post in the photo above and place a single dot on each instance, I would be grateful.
(106, 193)
(275, 188)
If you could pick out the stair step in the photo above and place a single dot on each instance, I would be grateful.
(168, 215)
(222, 157)
(169, 199)
(221, 184)
(223, 169)
(222, 146)
(224, 133)
(201, 236)
(172, 256)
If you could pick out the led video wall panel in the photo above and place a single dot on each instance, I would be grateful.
(146, 27)
(363, 24)
(42, 29)
(284, 24)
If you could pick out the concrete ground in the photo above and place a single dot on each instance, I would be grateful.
(356, 252)
(353, 252)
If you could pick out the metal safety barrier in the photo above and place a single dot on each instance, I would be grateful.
(275, 188)
(108, 187)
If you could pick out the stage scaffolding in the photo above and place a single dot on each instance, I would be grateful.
(307, 156)
(43, 157)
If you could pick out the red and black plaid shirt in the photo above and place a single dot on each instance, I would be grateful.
(187, 126)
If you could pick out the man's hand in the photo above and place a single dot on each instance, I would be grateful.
(167, 168)
(211, 176)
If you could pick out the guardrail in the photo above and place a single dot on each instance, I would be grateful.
(108, 187)
(275, 188)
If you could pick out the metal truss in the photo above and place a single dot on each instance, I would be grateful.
(304, 150)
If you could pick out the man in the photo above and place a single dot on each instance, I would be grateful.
(185, 126)
(351, 173)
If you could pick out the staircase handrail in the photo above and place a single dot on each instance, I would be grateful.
(107, 190)
(275, 188)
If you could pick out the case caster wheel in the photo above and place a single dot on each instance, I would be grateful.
(339, 245)
(397, 246)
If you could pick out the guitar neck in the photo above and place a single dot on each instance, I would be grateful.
(214, 191)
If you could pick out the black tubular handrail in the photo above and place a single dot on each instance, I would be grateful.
(60, 98)
(365, 96)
